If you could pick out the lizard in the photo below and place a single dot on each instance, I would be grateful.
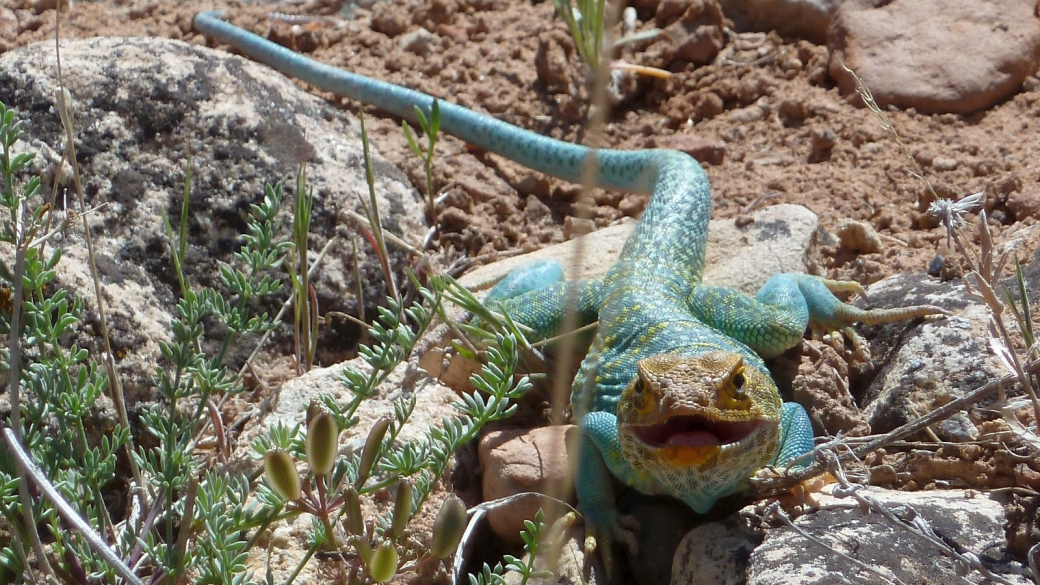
(673, 396)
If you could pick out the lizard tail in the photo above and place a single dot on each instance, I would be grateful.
(678, 184)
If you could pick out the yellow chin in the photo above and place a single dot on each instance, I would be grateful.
(688, 456)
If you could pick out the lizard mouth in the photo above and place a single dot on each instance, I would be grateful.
(694, 430)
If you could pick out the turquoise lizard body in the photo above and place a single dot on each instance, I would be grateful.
(673, 396)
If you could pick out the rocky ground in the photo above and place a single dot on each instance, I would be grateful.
(774, 119)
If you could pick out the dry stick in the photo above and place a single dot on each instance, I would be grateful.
(917, 526)
(15, 349)
(779, 513)
(390, 237)
(1010, 357)
(116, 386)
(29, 469)
(776, 486)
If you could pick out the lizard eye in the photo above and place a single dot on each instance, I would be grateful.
(739, 385)
(639, 387)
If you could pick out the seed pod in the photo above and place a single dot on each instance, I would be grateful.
(363, 548)
(402, 509)
(352, 505)
(322, 443)
(282, 474)
(448, 527)
(371, 450)
(383, 564)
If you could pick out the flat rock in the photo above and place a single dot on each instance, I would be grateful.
(936, 55)
(144, 106)
(775, 240)
(433, 402)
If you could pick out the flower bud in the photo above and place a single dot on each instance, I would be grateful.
(282, 475)
(371, 450)
(383, 564)
(448, 527)
(322, 443)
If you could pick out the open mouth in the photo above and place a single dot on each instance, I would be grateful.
(694, 431)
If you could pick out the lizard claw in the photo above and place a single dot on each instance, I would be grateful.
(836, 339)
(624, 529)
(844, 286)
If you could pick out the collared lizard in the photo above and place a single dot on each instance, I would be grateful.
(673, 396)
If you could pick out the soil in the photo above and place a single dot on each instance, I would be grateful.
(766, 118)
(771, 122)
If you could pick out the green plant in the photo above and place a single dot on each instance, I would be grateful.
(330, 492)
(305, 303)
(430, 127)
(586, 20)
(196, 521)
(524, 567)
(193, 376)
(63, 383)
(57, 425)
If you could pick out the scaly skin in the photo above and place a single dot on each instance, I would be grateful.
(673, 396)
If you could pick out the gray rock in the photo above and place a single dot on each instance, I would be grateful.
(966, 520)
(419, 41)
(744, 255)
(433, 402)
(565, 561)
(807, 19)
(940, 360)
(142, 107)
(936, 55)
(716, 552)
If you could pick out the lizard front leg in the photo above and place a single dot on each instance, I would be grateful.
(599, 455)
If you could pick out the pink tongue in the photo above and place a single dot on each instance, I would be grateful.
(692, 439)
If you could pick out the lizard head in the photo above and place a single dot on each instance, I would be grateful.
(696, 415)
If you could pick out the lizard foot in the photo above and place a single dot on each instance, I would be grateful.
(800, 494)
(836, 326)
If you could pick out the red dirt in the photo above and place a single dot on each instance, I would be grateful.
(768, 120)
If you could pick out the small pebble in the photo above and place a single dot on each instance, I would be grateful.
(859, 237)
(935, 266)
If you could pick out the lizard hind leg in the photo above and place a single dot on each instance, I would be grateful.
(775, 319)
